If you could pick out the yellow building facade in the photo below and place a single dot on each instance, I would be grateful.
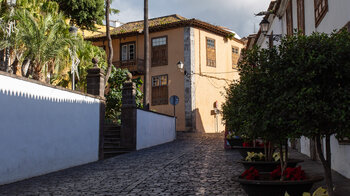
(209, 54)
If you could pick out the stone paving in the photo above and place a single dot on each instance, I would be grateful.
(192, 165)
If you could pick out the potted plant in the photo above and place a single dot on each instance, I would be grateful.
(259, 106)
(316, 79)
(295, 182)
(258, 161)
(233, 139)
(254, 146)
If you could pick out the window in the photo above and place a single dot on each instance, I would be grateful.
(159, 51)
(160, 90)
(211, 53)
(127, 51)
(235, 56)
(301, 16)
(321, 8)
(289, 16)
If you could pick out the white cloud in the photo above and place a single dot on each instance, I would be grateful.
(237, 15)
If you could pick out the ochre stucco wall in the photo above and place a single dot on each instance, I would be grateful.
(210, 82)
(175, 77)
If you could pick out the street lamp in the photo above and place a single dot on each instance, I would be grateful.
(75, 60)
(264, 26)
(9, 30)
(180, 65)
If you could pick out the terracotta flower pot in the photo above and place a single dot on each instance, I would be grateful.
(266, 187)
(268, 166)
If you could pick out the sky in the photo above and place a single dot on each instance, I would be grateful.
(237, 15)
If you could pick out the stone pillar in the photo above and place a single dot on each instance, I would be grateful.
(95, 80)
(189, 67)
(95, 86)
(128, 118)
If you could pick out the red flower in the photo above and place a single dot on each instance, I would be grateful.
(289, 173)
(250, 174)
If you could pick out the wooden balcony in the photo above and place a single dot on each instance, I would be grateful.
(136, 67)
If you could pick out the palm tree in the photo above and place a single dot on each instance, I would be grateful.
(44, 40)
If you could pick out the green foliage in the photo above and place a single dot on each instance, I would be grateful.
(85, 52)
(253, 106)
(318, 67)
(114, 95)
(40, 40)
(84, 13)
(253, 156)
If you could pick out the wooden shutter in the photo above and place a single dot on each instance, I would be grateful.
(163, 95)
(301, 16)
(211, 52)
(235, 56)
(159, 53)
(160, 90)
(289, 17)
(155, 95)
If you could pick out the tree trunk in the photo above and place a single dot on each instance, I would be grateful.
(283, 158)
(147, 59)
(110, 46)
(326, 163)
(37, 73)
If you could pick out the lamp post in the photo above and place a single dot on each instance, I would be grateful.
(75, 60)
(264, 26)
(180, 65)
(11, 4)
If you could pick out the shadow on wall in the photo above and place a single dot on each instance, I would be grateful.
(199, 123)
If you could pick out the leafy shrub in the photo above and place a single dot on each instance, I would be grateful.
(114, 94)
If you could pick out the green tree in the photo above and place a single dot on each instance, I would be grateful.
(85, 52)
(254, 106)
(44, 39)
(114, 93)
(318, 67)
(84, 13)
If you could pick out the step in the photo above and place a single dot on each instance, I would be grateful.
(112, 134)
(111, 127)
(114, 153)
(111, 145)
(111, 140)
(114, 149)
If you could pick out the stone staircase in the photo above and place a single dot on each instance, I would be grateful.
(112, 145)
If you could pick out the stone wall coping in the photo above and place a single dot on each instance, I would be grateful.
(156, 113)
(50, 85)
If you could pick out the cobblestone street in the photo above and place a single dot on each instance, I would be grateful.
(192, 165)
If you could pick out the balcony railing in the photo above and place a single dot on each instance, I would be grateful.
(136, 66)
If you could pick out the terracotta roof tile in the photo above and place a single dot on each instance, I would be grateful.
(162, 23)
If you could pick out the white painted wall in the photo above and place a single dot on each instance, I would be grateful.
(340, 157)
(44, 129)
(305, 146)
(154, 129)
(337, 16)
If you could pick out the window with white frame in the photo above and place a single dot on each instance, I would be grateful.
(127, 51)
